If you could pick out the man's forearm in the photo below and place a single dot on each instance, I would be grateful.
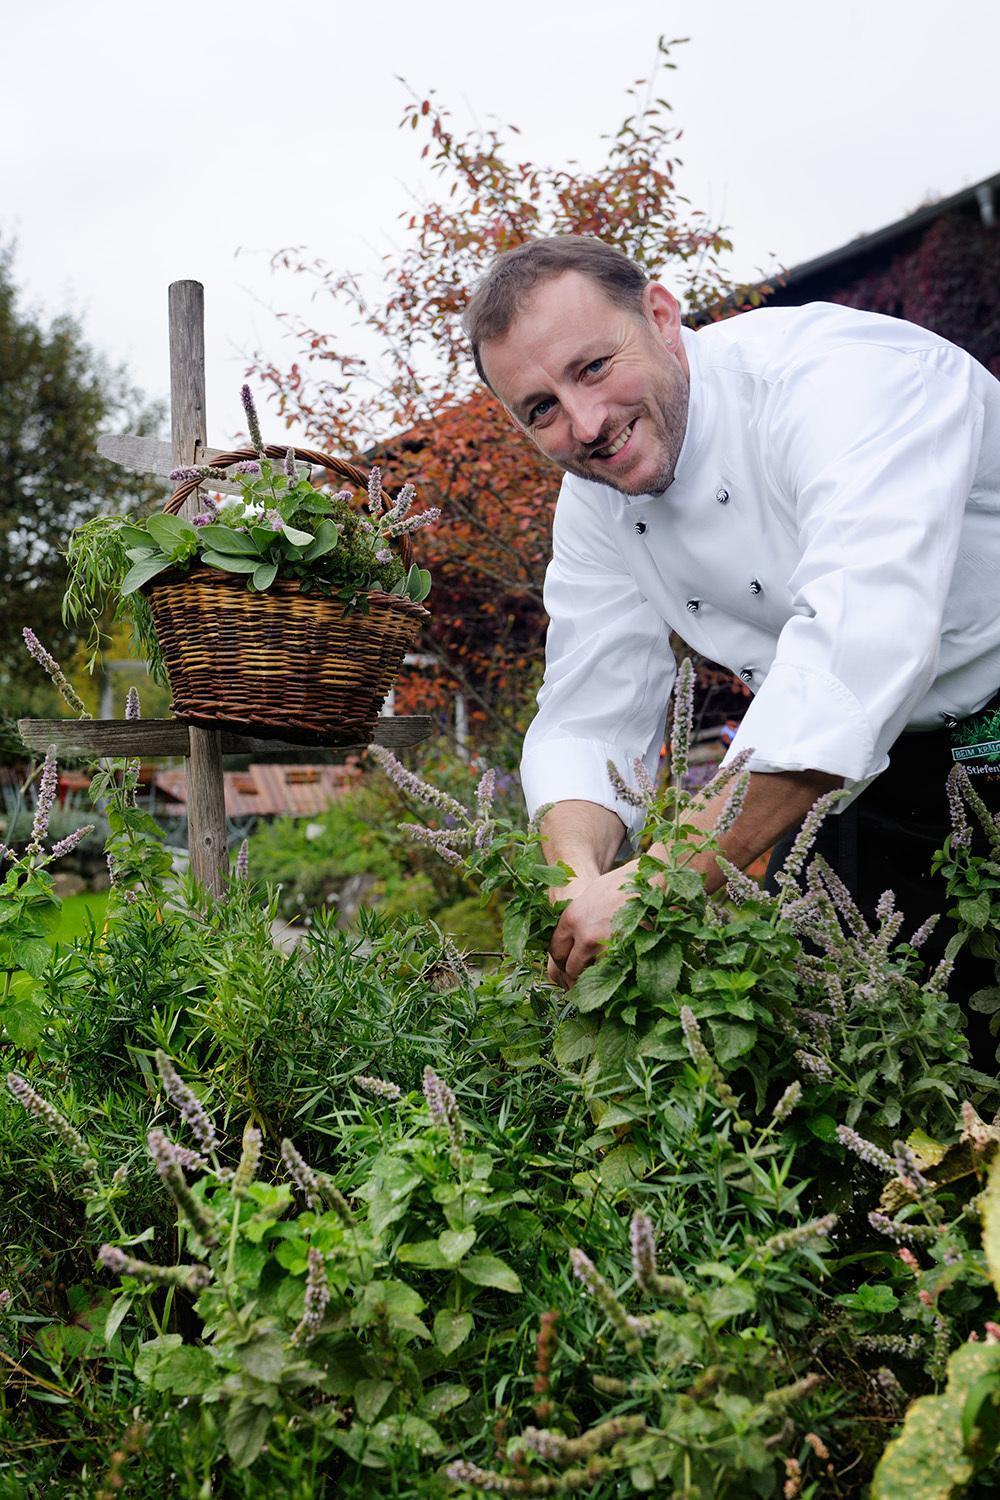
(585, 835)
(776, 802)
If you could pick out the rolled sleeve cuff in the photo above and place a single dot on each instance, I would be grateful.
(568, 770)
(803, 719)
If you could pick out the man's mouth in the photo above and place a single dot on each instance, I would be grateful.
(610, 450)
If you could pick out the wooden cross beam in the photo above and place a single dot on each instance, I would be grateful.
(203, 749)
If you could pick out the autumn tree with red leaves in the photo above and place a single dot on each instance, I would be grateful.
(422, 412)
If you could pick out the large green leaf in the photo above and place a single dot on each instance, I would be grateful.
(930, 1458)
(596, 986)
(231, 564)
(575, 1039)
(264, 575)
(246, 1428)
(989, 1209)
(490, 1270)
(172, 535)
(225, 539)
(369, 1398)
(451, 1329)
(326, 538)
(142, 571)
(658, 972)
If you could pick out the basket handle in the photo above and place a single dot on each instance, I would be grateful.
(337, 466)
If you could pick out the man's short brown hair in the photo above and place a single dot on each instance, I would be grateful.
(513, 276)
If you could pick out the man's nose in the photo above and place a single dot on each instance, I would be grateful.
(586, 417)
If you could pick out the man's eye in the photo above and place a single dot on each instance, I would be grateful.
(540, 409)
(596, 365)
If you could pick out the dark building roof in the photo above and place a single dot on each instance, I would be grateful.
(810, 280)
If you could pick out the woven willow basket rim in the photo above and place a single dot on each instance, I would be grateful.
(205, 574)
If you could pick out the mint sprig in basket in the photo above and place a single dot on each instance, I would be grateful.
(284, 610)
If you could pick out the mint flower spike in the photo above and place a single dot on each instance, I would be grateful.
(408, 781)
(133, 710)
(243, 861)
(46, 1114)
(166, 1159)
(249, 1161)
(302, 1175)
(291, 472)
(443, 1108)
(644, 782)
(379, 1088)
(643, 1247)
(69, 693)
(628, 1329)
(867, 1151)
(375, 497)
(404, 500)
(70, 842)
(438, 839)
(683, 722)
(733, 805)
(621, 787)
(193, 1278)
(413, 523)
(485, 792)
(806, 836)
(801, 1235)
(317, 1297)
(253, 422)
(47, 787)
(187, 1103)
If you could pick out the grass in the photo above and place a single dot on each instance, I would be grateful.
(77, 914)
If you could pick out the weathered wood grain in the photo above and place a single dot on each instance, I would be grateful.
(155, 739)
(149, 455)
(188, 437)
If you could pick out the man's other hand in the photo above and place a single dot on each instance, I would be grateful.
(585, 925)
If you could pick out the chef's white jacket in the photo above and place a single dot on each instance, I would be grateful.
(831, 535)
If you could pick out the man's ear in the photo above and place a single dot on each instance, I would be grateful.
(663, 310)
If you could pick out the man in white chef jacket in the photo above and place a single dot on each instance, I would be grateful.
(809, 496)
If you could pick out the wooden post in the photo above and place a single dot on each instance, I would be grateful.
(188, 433)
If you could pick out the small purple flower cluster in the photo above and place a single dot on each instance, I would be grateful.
(302, 1175)
(187, 1103)
(31, 1100)
(193, 1278)
(643, 1247)
(317, 1297)
(443, 1108)
(55, 671)
(628, 1329)
(378, 1087)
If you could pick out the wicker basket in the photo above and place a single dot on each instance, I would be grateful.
(279, 663)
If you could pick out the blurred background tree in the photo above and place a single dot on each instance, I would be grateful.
(56, 395)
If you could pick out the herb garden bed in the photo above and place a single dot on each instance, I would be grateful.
(723, 1221)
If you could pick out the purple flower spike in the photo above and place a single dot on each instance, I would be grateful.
(247, 466)
(253, 422)
(46, 799)
(204, 518)
(290, 469)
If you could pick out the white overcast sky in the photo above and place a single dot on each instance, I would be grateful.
(145, 142)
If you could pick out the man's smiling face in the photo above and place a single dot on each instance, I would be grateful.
(601, 389)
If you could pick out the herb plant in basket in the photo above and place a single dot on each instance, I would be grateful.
(283, 609)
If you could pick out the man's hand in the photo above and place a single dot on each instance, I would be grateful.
(586, 836)
(585, 925)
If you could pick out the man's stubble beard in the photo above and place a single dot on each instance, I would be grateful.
(667, 413)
